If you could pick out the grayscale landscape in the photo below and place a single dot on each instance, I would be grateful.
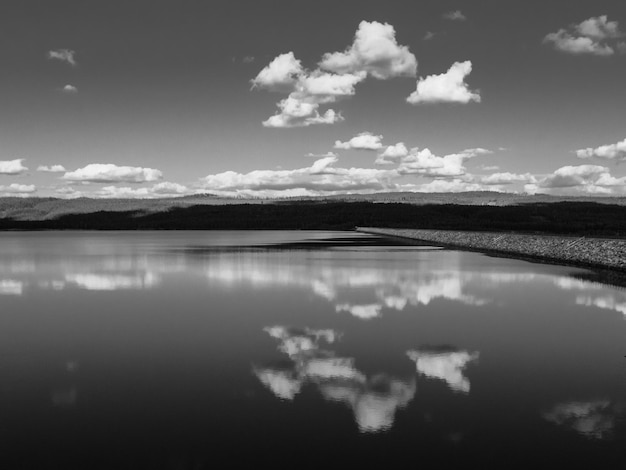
(279, 233)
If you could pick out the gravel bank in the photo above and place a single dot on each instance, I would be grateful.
(588, 252)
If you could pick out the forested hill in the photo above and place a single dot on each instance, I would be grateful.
(570, 218)
(37, 208)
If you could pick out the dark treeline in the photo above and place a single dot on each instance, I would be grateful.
(574, 218)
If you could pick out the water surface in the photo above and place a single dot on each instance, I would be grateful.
(176, 349)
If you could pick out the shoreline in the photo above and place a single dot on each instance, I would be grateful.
(595, 253)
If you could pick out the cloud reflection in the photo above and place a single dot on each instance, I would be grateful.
(11, 287)
(445, 364)
(605, 302)
(373, 400)
(109, 282)
(594, 419)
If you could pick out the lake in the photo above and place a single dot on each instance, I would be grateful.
(178, 349)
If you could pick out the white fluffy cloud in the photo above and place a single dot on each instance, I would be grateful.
(64, 55)
(15, 188)
(362, 141)
(392, 153)
(374, 51)
(310, 90)
(12, 167)
(109, 173)
(599, 28)
(455, 15)
(322, 177)
(70, 89)
(609, 152)
(448, 87)
(296, 112)
(281, 74)
(596, 36)
(586, 179)
(51, 168)
(426, 163)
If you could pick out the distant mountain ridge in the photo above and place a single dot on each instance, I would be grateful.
(48, 208)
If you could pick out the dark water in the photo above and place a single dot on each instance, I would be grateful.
(299, 349)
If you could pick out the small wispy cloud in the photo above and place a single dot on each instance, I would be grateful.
(69, 89)
(64, 55)
(455, 15)
(51, 168)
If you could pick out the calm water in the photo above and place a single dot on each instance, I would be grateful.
(291, 349)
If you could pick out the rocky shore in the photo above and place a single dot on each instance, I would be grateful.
(578, 251)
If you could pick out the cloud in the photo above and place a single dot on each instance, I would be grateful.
(392, 153)
(297, 113)
(70, 89)
(374, 51)
(506, 178)
(585, 179)
(595, 36)
(301, 107)
(322, 177)
(15, 188)
(448, 87)
(51, 168)
(446, 365)
(455, 185)
(307, 91)
(109, 173)
(64, 55)
(363, 141)
(426, 163)
(322, 155)
(248, 59)
(429, 35)
(599, 28)
(280, 75)
(12, 167)
(164, 189)
(454, 16)
(609, 152)
(568, 176)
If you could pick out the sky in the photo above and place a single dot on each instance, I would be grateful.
(263, 98)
